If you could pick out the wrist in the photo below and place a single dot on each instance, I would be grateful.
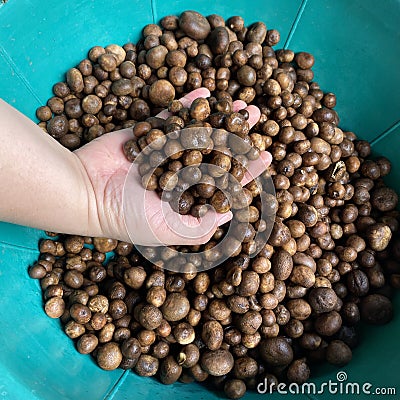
(88, 221)
(103, 177)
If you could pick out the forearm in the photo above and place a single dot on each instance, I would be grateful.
(42, 184)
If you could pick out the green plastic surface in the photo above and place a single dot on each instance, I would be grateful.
(357, 49)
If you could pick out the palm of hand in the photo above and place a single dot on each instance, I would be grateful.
(107, 168)
(109, 171)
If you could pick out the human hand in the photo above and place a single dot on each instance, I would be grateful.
(145, 219)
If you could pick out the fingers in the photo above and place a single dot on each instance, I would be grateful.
(177, 229)
(203, 230)
(187, 100)
(205, 227)
(188, 230)
(160, 225)
(238, 105)
(164, 114)
(166, 227)
(224, 218)
(254, 112)
(254, 115)
(194, 94)
(257, 167)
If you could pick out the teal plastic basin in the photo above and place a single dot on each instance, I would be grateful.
(357, 50)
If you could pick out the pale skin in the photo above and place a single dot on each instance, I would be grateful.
(44, 185)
